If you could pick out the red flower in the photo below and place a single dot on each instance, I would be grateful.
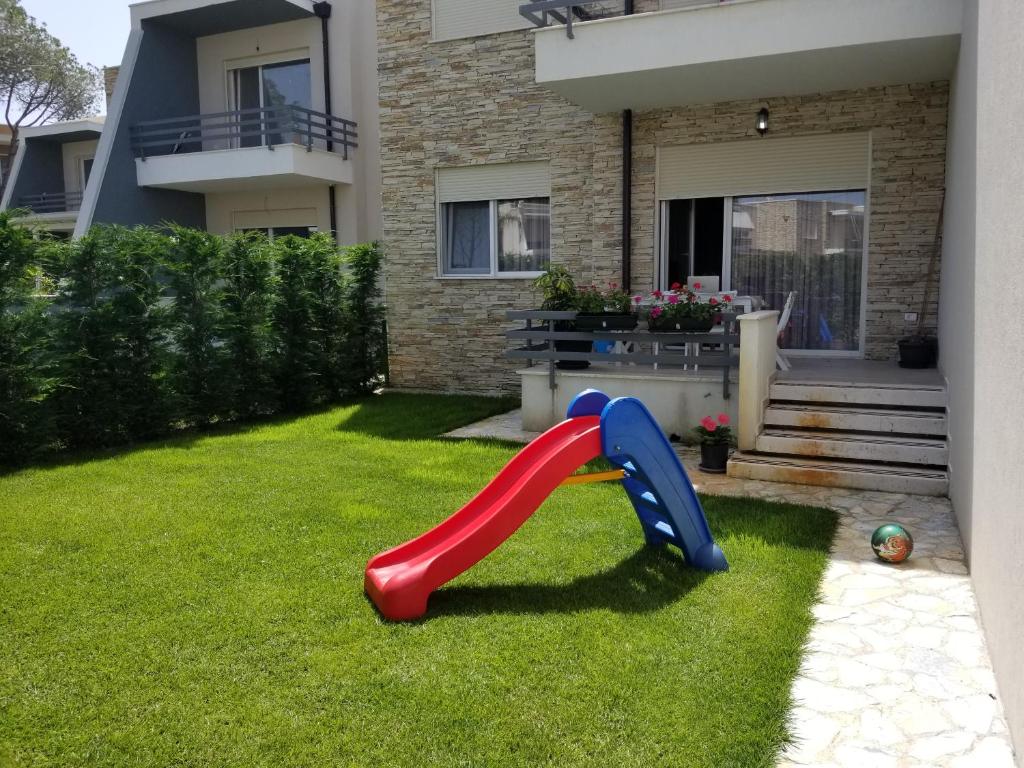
(637, 299)
(712, 301)
(613, 286)
(676, 286)
(727, 298)
(657, 294)
(709, 424)
(696, 286)
(723, 419)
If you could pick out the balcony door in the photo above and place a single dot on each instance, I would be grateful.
(269, 87)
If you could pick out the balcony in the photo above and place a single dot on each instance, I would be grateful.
(51, 202)
(597, 57)
(260, 148)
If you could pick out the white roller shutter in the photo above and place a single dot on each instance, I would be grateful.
(468, 18)
(293, 217)
(765, 166)
(493, 182)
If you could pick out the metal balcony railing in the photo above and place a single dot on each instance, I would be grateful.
(51, 202)
(261, 126)
(685, 350)
(546, 13)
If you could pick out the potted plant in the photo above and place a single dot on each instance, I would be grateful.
(560, 295)
(715, 440)
(683, 310)
(609, 309)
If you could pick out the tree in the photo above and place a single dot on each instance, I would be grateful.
(40, 79)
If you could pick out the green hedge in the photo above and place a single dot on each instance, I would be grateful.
(129, 334)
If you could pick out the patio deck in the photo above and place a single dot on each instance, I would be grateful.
(850, 372)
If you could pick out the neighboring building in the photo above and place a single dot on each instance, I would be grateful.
(220, 117)
(626, 148)
(51, 170)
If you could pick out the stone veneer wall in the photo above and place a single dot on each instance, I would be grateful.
(474, 101)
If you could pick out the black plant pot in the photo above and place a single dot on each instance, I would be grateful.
(713, 458)
(918, 352)
(605, 321)
(571, 346)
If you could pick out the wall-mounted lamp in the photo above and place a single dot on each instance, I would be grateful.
(762, 121)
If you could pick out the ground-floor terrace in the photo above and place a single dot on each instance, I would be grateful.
(834, 212)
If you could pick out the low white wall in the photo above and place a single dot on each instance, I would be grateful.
(677, 400)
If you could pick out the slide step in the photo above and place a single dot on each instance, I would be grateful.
(856, 419)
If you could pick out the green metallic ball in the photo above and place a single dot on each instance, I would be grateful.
(892, 543)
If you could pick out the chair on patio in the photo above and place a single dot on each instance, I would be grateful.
(787, 311)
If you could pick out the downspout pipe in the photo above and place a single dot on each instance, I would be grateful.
(627, 186)
(323, 12)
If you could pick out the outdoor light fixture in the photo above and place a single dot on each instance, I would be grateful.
(762, 121)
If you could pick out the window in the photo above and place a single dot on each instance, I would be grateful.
(510, 237)
(269, 86)
(275, 232)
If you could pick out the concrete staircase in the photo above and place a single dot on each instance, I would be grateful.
(871, 436)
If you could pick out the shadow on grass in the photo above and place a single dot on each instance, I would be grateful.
(646, 581)
(402, 416)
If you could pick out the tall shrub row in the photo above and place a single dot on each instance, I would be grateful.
(129, 334)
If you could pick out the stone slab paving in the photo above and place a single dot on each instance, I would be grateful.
(896, 673)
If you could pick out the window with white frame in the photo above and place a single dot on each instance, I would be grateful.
(494, 221)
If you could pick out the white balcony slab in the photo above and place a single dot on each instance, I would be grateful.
(245, 169)
(752, 49)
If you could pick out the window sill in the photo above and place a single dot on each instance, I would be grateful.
(508, 276)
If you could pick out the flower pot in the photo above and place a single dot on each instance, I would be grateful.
(918, 352)
(714, 457)
(571, 346)
(605, 321)
(682, 325)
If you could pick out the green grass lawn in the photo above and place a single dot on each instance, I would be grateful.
(199, 602)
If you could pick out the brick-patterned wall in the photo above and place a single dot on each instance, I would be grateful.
(475, 101)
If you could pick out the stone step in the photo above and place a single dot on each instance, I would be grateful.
(856, 419)
(856, 447)
(855, 394)
(839, 474)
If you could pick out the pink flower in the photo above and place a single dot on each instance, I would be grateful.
(637, 299)
(696, 286)
(657, 294)
(723, 419)
(712, 301)
(655, 312)
(673, 299)
(709, 424)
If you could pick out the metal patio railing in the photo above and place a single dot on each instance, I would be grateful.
(546, 13)
(51, 202)
(256, 127)
(640, 348)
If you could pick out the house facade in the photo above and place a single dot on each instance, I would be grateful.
(230, 117)
(889, 145)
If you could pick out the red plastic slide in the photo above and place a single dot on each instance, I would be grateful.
(400, 580)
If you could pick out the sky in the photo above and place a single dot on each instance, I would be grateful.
(95, 30)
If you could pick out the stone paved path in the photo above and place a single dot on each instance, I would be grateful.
(896, 673)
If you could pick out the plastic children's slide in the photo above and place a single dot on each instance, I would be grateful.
(400, 580)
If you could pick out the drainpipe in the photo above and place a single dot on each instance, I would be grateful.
(323, 12)
(627, 186)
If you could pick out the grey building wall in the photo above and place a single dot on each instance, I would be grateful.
(164, 83)
(42, 169)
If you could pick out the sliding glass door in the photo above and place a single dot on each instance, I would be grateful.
(809, 247)
(286, 84)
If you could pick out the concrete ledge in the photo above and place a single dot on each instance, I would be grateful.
(677, 399)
